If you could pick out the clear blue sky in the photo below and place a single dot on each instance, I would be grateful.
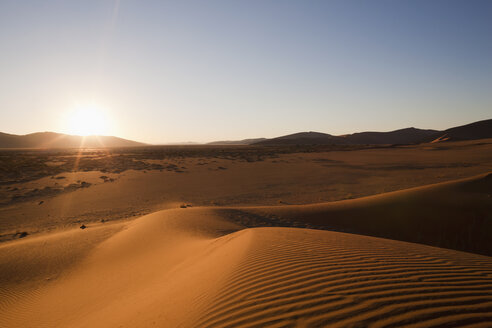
(170, 71)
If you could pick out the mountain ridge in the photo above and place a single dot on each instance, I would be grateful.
(249, 141)
(476, 130)
(472, 131)
(45, 140)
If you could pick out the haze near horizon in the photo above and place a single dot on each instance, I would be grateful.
(163, 72)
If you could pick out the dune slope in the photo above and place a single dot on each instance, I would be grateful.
(472, 131)
(306, 278)
(150, 267)
(199, 267)
(456, 215)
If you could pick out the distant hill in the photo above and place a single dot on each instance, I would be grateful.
(304, 138)
(402, 136)
(472, 131)
(59, 140)
(477, 130)
(237, 142)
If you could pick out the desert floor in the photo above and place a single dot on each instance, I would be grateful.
(247, 237)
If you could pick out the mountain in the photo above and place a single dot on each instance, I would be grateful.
(402, 136)
(472, 131)
(59, 140)
(304, 138)
(477, 130)
(237, 142)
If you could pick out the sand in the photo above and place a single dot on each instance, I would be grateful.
(250, 177)
(204, 267)
(309, 278)
(455, 214)
(373, 237)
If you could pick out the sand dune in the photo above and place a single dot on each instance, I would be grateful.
(151, 267)
(472, 131)
(455, 214)
(201, 267)
(307, 278)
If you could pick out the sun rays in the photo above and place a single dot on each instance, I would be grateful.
(87, 120)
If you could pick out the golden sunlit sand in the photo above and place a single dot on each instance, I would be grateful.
(228, 267)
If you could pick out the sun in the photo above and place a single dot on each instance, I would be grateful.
(87, 120)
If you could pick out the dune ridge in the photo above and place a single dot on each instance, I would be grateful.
(455, 214)
(146, 267)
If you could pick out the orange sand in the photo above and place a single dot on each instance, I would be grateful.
(200, 267)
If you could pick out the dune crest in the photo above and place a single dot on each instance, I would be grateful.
(151, 267)
(455, 214)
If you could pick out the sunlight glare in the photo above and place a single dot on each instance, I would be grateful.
(88, 120)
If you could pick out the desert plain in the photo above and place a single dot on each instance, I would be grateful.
(247, 236)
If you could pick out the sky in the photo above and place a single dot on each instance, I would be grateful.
(177, 71)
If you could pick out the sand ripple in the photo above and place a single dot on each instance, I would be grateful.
(297, 277)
